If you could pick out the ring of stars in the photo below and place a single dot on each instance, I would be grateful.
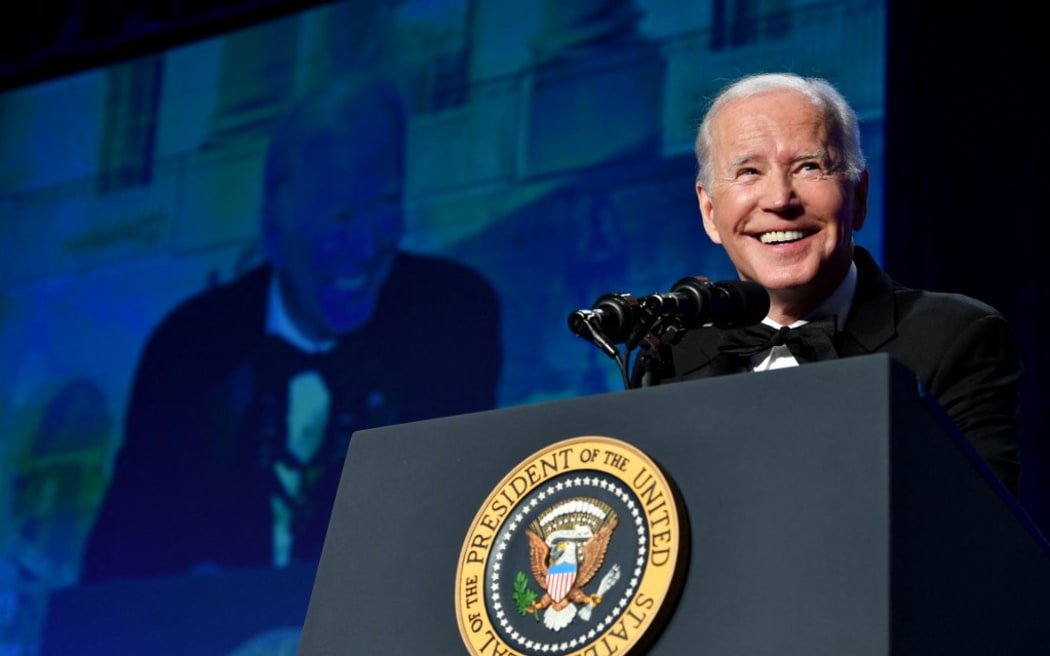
(521, 519)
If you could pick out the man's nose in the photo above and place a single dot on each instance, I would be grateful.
(353, 235)
(778, 192)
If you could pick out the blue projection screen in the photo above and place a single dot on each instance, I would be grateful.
(549, 150)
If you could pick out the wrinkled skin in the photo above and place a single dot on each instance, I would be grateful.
(777, 178)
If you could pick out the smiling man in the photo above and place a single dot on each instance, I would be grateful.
(782, 186)
(782, 192)
(247, 394)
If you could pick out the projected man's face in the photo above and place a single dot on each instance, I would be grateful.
(332, 228)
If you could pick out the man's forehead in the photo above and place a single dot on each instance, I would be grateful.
(771, 111)
(747, 134)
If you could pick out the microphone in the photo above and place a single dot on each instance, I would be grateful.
(697, 301)
(694, 301)
(613, 316)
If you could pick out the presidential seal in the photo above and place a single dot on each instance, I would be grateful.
(577, 551)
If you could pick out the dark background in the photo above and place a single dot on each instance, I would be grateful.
(963, 132)
(963, 142)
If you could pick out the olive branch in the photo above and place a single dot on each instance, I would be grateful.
(523, 596)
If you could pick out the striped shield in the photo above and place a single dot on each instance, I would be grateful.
(560, 578)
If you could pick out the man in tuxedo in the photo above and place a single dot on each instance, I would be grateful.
(782, 186)
(246, 396)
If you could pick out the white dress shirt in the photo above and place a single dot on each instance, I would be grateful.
(838, 304)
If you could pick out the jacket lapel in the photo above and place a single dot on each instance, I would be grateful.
(697, 356)
(872, 319)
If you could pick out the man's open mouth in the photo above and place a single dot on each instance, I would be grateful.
(781, 236)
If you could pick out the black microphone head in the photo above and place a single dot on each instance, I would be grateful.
(617, 314)
(613, 318)
(742, 303)
(696, 288)
(578, 321)
(725, 304)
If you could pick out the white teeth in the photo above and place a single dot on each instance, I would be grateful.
(780, 236)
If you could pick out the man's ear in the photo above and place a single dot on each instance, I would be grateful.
(708, 214)
(860, 201)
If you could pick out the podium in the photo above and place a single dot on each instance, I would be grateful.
(831, 509)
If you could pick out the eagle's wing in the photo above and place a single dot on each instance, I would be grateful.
(538, 556)
(594, 552)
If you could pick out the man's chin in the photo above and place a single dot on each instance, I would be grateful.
(796, 277)
(342, 323)
(345, 312)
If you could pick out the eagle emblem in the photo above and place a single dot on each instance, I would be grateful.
(567, 545)
(562, 559)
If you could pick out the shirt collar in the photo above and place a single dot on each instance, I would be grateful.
(280, 323)
(839, 303)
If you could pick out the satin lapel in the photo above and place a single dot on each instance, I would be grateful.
(697, 356)
(872, 319)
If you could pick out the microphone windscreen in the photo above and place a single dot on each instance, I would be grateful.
(725, 304)
(746, 303)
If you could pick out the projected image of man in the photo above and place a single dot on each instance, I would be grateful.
(246, 395)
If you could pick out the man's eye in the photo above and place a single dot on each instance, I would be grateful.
(810, 169)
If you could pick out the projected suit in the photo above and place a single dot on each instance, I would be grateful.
(246, 396)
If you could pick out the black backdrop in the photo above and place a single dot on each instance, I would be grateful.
(963, 136)
(963, 151)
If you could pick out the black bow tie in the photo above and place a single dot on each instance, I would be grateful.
(810, 342)
(278, 362)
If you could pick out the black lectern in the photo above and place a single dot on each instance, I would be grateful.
(831, 510)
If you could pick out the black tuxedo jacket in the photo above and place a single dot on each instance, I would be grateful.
(192, 483)
(961, 349)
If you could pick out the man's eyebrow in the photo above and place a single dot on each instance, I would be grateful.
(822, 155)
(742, 159)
